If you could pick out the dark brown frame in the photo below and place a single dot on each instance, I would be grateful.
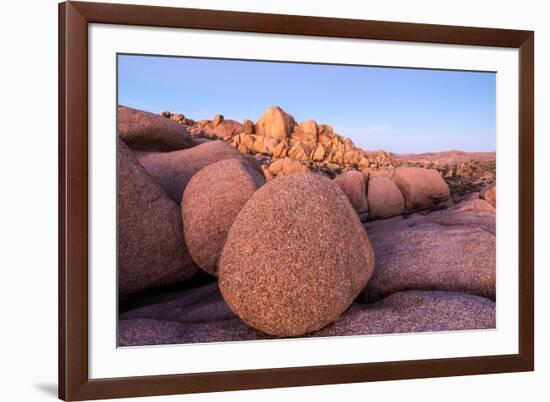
(74, 17)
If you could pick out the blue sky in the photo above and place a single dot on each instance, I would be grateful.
(395, 109)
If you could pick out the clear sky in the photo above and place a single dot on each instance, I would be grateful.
(395, 109)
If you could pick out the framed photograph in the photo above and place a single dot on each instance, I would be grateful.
(262, 200)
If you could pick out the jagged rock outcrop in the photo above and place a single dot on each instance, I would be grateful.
(277, 135)
(424, 181)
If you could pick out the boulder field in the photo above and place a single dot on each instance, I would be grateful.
(234, 231)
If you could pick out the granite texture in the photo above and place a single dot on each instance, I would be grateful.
(173, 170)
(151, 247)
(144, 131)
(295, 257)
(200, 315)
(211, 201)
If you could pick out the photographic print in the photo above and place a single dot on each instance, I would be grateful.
(262, 200)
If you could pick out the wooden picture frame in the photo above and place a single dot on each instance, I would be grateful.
(74, 381)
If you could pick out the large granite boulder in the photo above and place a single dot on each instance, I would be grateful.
(384, 197)
(151, 248)
(296, 256)
(248, 127)
(285, 167)
(307, 132)
(353, 184)
(422, 188)
(225, 128)
(173, 170)
(144, 131)
(211, 201)
(276, 123)
(298, 152)
(450, 250)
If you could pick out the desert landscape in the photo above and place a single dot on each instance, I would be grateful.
(267, 228)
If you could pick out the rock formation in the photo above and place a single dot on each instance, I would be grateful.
(296, 256)
(201, 315)
(354, 185)
(394, 243)
(211, 201)
(144, 131)
(422, 188)
(384, 197)
(151, 248)
(275, 123)
(173, 170)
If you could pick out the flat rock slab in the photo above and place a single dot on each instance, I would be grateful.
(200, 315)
(450, 250)
(416, 311)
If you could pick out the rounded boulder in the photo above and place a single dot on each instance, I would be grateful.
(295, 257)
(210, 203)
(151, 247)
(144, 131)
(173, 170)
(353, 185)
(276, 123)
(422, 188)
(384, 198)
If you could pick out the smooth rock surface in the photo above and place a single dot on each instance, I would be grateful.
(211, 201)
(453, 250)
(173, 170)
(151, 247)
(226, 128)
(353, 184)
(201, 315)
(144, 131)
(384, 198)
(422, 188)
(416, 311)
(276, 123)
(295, 257)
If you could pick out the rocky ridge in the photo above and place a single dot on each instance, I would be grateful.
(308, 146)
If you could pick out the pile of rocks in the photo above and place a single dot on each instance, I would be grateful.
(290, 255)
(379, 195)
(309, 146)
(276, 134)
